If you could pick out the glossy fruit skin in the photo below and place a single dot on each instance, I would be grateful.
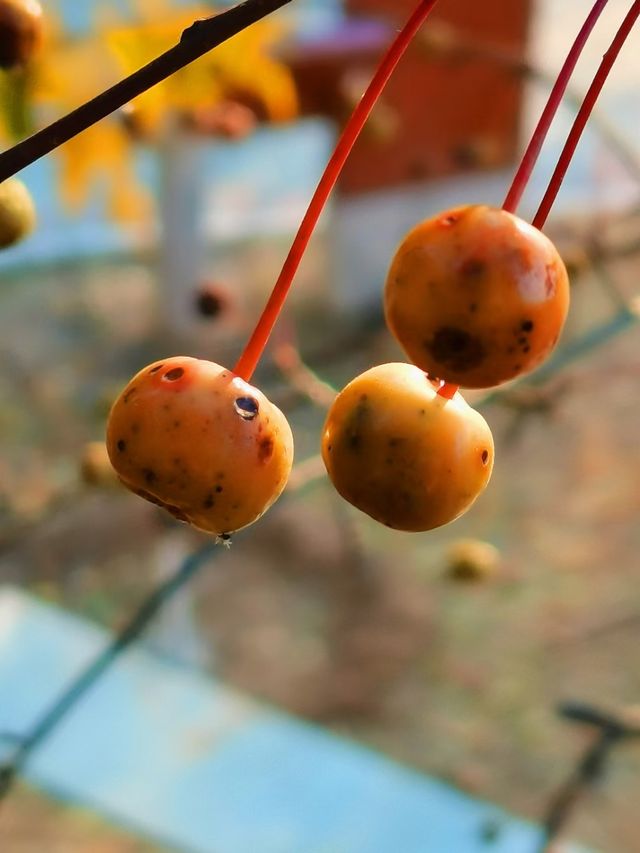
(476, 296)
(20, 31)
(17, 212)
(403, 454)
(192, 437)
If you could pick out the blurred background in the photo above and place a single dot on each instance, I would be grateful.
(161, 231)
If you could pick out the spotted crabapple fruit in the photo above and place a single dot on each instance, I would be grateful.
(192, 437)
(476, 296)
(20, 31)
(405, 455)
(17, 212)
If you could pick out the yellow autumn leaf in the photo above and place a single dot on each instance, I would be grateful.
(71, 70)
(241, 65)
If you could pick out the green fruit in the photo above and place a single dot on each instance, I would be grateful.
(17, 212)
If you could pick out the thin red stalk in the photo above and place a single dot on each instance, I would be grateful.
(448, 391)
(251, 355)
(583, 114)
(532, 153)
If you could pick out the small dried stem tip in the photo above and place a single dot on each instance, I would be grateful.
(255, 347)
(197, 40)
(532, 153)
(583, 115)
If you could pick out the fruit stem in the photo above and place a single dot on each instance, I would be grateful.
(447, 390)
(584, 113)
(532, 153)
(253, 351)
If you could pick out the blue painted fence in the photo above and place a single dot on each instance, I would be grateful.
(193, 764)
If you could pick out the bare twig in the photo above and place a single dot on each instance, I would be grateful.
(135, 627)
(196, 40)
(612, 729)
(301, 377)
(302, 476)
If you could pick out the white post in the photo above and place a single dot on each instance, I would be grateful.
(182, 241)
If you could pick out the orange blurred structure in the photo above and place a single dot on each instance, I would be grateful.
(452, 72)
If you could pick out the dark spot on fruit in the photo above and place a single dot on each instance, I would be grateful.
(473, 268)
(174, 374)
(329, 447)
(219, 489)
(456, 349)
(526, 349)
(423, 411)
(517, 366)
(394, 442)
(485, 457)
(135, 428)
(129, 394)
(149, 475)
(450, 219)
(156, 368)
(358, 420)
(522, 340)
(473, 307)
(122, 446)
(511, 350)
(177, 424)
(247, 407)
(265, 449)
(527, 325)
(208, 502)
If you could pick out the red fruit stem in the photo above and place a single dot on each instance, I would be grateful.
(253, 351)
(532, 153)
(448, 391)
(583, 114)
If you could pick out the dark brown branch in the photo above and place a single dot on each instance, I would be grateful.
(611, 728)
(196, 40)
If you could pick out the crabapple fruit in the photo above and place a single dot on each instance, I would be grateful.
(402, 453)
(17, 212)
(476, 296)
(194, 438)
(20, 31)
